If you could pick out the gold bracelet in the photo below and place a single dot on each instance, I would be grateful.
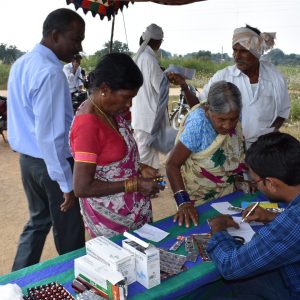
(131, 185)
(127, 185)
(135, 184)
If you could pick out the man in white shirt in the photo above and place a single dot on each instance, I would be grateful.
(73, 74)
(266, 103)
(39, 119)
(144, 105)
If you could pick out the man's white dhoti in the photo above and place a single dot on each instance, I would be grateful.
(148, 155)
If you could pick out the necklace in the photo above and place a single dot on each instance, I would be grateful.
(103, 114)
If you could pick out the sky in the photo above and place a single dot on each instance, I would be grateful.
(206, 26)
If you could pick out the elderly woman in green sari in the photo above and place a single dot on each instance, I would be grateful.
(208, 153)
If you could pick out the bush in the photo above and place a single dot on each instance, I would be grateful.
(292, 76)
(4, 72)
(295, 107)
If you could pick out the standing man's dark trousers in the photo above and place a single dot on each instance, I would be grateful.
(44, 199)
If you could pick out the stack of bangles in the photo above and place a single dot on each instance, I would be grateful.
(131, 185)
(181, 197)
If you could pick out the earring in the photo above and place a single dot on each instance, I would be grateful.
(102, 94)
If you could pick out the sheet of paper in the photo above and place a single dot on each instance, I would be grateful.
(185, 72)
(244, 231)
(151, 233)
(222, 207)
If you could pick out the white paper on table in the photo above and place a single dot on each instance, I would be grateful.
(244, 231)
(222, 207)
(151, 233)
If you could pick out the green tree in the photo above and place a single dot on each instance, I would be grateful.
(276, 56)
(205, 55)
(165, 54)
(117, 46)
(9, 54)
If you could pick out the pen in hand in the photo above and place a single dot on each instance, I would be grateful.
(249, 213)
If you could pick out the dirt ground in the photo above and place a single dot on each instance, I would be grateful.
(14, 212)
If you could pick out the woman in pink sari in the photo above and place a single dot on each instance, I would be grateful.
(114, 189)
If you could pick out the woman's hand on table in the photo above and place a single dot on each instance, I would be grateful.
(221, 223)
(185, 214)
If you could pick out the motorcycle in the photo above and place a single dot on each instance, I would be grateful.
(77, 98)
(3, 116)
(80, 96)
(181, 109)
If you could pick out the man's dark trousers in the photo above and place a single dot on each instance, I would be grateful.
(44, 199)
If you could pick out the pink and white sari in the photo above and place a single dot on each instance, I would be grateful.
(113, 214)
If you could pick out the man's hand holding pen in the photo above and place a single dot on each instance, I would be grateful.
(258, 214)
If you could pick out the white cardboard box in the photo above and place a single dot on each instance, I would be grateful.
(147, 263)
(107, 283)
(113, 255)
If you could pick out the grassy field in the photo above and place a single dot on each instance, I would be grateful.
(292, 128)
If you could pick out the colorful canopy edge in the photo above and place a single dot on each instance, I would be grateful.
(104, 8)
(170, 2)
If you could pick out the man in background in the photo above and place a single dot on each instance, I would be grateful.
(144, 105)
(39, 119)
(74, 75)
(266, 103)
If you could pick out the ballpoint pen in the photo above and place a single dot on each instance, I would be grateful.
(250, 211)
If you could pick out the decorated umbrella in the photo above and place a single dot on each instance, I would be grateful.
(103, 8)
(109, 8)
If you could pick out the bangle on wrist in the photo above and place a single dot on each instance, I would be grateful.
(181, 197)
(131, 185)
(179, 191)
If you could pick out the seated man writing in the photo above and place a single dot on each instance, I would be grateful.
(267, 267)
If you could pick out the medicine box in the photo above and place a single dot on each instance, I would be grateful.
(112, 255)
(147, 263)
(107, 283)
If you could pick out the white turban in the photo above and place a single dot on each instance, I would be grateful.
(152, 32)
(256, 44)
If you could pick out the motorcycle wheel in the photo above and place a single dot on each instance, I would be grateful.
(175, 118)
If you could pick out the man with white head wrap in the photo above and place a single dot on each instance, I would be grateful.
(144, 105)
(266, 103)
